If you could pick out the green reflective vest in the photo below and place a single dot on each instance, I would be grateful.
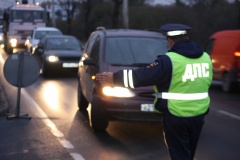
(191, 79)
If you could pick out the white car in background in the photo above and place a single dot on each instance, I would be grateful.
(32, 40)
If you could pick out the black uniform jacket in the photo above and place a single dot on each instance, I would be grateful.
(159, 73)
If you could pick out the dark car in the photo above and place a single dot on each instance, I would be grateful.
(58, 52)
(110, 51)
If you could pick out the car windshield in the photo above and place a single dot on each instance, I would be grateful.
(27, 16)
(63, 43)
(135, 51)
(40, 34)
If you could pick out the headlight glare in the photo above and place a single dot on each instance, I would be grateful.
(117, 92)
(13, 42)
(52, 58)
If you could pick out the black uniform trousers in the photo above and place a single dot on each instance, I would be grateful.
(181, 135)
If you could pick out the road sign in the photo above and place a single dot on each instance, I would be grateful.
(21, 68)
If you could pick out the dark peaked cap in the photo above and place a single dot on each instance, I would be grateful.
(175, 29)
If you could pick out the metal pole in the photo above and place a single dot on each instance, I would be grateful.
(20, 74)
(53, 14)
(20, 70)
(125, 13)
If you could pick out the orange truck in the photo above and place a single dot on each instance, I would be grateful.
(224, 49)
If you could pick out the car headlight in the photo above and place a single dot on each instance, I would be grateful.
(52, 58)
(13, 42)
(117, 92)
(1, 38)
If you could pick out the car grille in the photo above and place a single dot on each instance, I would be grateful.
(69, 59)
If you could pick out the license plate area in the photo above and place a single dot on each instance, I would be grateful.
(70, 65)
(147, 108)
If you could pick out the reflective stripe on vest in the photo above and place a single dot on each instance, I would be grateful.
(182, 96)
(127, 78)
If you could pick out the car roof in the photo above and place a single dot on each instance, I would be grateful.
(131, 32)
(226, 33)
(59, 36)
(47, 29)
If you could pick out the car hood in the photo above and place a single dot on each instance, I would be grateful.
(63, 52)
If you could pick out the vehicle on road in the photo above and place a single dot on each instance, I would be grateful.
(109, 50)
(224, 49)
(23, 18)
(36, 34)
(57, 53)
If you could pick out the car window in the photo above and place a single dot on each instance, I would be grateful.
(40, 34)
(209, 46)
(90, 44)
(94, 54)
(129, 51)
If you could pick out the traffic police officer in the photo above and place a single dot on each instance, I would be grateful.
(181, 80)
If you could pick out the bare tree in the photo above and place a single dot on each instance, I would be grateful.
(238, 2)
(116, 12)
(69, 6)
(87, 10)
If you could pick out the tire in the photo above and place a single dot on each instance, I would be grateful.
(228, 85)
(82, 102)
(98, 121)
(45, 72)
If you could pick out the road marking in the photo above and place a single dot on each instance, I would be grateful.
(76, 156)
(65, 143)
(229, 114)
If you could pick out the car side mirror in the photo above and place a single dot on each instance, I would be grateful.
(39, 49)
(89, 61)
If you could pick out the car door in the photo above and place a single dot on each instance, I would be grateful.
(87, 71)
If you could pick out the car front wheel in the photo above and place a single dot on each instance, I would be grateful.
(98, 121)
(45, 72)
(82, 102)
